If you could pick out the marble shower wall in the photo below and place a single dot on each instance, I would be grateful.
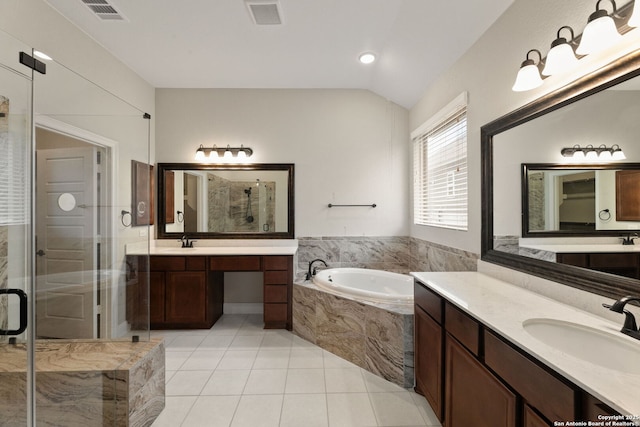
(393, 253)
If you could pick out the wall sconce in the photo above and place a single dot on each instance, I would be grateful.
(561, 56)
(211, 154)
(590, 152)
(602, 31)
(529, 75)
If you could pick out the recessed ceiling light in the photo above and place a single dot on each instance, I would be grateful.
(367, 58)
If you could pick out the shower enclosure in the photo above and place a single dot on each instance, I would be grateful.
(66, 330)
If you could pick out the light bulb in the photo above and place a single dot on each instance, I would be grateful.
(599, 34)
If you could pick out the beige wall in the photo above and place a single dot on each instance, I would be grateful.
(348, 146)
(487, 71)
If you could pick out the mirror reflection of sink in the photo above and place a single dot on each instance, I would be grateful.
(591, 345)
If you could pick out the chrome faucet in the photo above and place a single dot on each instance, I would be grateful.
(310, 272)
(629, 239)
(630, 327)
(186, 243)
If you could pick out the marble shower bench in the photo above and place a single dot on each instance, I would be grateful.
(85, 383)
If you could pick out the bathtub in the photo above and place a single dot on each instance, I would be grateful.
(371, 285)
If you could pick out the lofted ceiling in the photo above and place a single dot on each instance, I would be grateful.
(216, 44)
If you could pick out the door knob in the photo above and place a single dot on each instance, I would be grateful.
(40, 253)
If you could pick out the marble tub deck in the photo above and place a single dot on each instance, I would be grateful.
(375, 336)
(85, 383)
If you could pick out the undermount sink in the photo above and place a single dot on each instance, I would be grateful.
(591, 345)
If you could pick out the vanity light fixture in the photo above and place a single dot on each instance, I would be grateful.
(603, 30)
(529, 75)
(210, 154)
(590, 152)
(600, 32)
(561, 57)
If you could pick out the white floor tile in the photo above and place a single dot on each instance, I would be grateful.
(266, 381)
(272, 359)
(212, 411)
(175, 411)
(226, 382)
(333, 361)
(276, 341)
(185, 343)
(246, 342)
(216, 342)
(257, 410)
(305, 381)
(376, 384)
(350, 410)
(187, 383)
(238, 359)
(344, 380)
(168, 375)
(308, 410)
(306, 358)
(298, 342)
(425, 410)
(173, 360)
(203, 360)
(395, 409)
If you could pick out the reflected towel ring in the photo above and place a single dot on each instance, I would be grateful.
(180, 216)
(604, 215)
(122, 215)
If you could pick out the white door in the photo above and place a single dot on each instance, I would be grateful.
(66, 243)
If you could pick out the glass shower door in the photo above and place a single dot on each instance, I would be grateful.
(16, 339)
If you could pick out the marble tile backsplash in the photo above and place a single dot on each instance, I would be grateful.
(400, 254)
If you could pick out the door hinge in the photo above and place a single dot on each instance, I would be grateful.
(33, 63)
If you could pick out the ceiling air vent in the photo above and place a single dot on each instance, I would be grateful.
(264, 12)
(103, 10)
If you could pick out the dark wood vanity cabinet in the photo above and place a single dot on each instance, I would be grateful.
(622, 264)
(472, 376)
(188, 291)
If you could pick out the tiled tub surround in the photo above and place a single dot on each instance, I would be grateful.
(85, 383)
(400, 254)
(376, 337)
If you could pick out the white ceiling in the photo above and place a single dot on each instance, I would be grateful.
(215, 44)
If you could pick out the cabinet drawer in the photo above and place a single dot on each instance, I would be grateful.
(196, 263)
(428, 301)
(462, 327)
(275, 293)
(543, 391)
(235, 263)
(275, 313)
(276, 262)
(167, 263)
(276, 277)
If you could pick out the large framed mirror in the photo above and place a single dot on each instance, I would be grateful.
(225, 201)
(599, 108)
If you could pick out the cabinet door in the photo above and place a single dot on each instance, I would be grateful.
(428, 360)
(473, 396)
(531, 419)
(156, 297)
(186, 293)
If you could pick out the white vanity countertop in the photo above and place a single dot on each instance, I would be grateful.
(218, 247)
(504, 307)
(582, 248)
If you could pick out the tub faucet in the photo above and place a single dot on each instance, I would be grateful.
(186, 243)
(629, 328)
(310, 272)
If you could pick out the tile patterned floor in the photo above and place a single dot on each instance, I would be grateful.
(238, 374)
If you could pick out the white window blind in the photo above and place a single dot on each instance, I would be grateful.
(14, 206)
(440, 170)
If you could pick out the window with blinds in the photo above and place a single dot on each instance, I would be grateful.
(14, 206)
(440, 169)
